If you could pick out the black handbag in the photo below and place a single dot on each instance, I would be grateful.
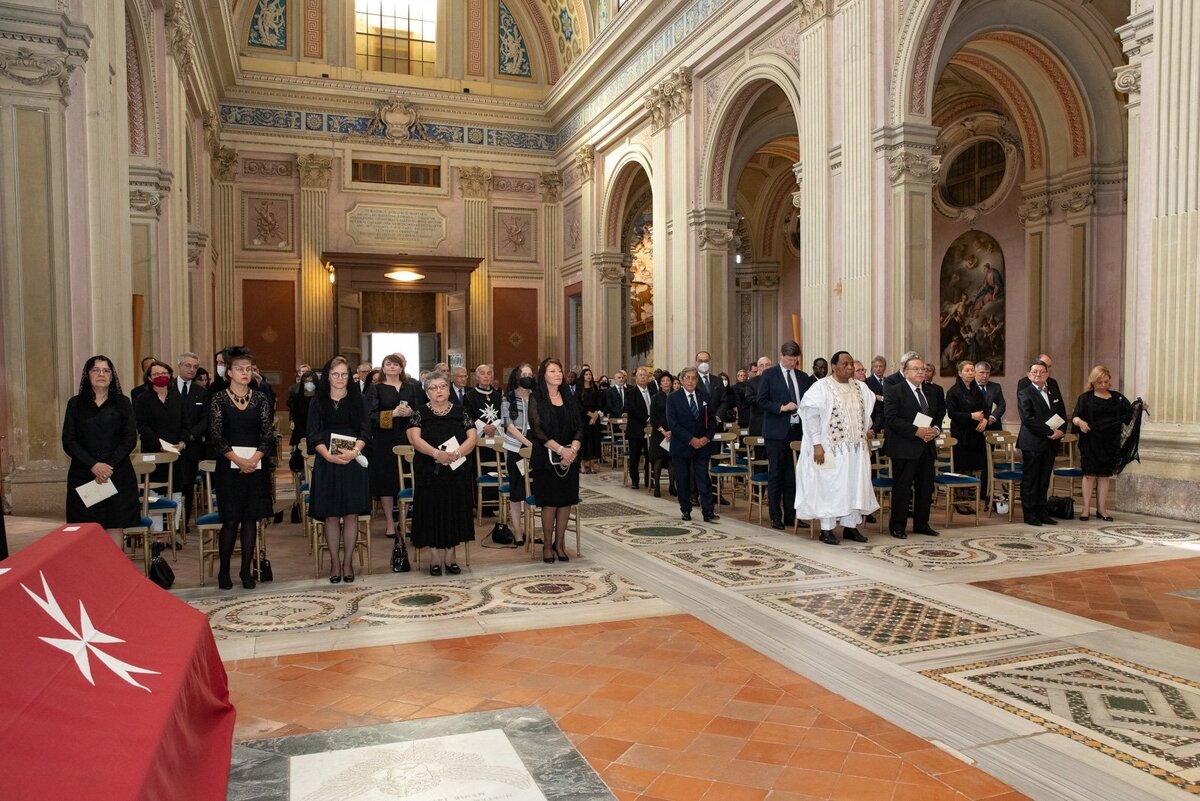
(161, 572)
(296, 512)
(265, 573)
(400, 563)
(502, 535)
(1060, 507)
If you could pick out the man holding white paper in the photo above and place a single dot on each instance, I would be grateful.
(912, 417)
(1042, 426)
(833, 472)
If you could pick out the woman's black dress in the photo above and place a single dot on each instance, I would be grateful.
(338, 489)
(1100, 448)
(241, 497)
(970, 454)
(658, 419)
(561, 424)
(590, 400)
(105, 433)
(161, 420)
(442, 508)
(385, 470)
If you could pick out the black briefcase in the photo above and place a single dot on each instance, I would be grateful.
(1059, 507)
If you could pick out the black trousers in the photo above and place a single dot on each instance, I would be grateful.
(637, 451)
(913, 481)
(781, 477)
(691, 476)
(1037, 468)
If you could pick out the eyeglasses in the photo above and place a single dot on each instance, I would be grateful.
(101, 371)
(242, 368)
(339, 375)
(437, 387)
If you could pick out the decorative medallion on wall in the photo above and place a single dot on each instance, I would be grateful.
(268, 26)
(514, 235)
(972, 303)
(267, 223)
(512, 56)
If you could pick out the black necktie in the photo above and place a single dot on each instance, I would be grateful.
(787, 376)
(695, 408)
(462, 398)
(924, 404)
(186, 386)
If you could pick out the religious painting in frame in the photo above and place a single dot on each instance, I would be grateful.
(972, 303)
(268, 223)
(514, 235)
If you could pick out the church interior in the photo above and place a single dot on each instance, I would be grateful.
(623, 183)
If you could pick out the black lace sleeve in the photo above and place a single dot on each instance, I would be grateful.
(539, 436)
(216, 425)
(266, 423)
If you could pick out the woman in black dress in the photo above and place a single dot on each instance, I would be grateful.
(660, 434)
(1099, 414)
(159, 414)
(240, 432)
(98, 434)
(557, 426)
(390, 404)
(340, 485)
(591, 401)
(442, 511)
(514, 416)
(965, 403)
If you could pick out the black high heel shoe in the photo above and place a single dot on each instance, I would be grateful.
(248, 581)
(548, 559)
(562, 557)
(224, 582)
(335, 579)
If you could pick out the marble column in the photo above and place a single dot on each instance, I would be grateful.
(611, 269)
(316, 291)
(594, 323)
(552, 259)
(225, 221)
(475, 183)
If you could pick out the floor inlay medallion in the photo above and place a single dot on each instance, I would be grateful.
(596, 509)
(1141, 716)
(888, 620)
(662, 531)
(746, 565)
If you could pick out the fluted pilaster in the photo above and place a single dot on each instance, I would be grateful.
(815, 188)
(224, 222)
(853, 161)
(316, 291)
(552, 248)
(479, 302)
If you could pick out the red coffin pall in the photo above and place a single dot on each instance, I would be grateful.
(110, 688)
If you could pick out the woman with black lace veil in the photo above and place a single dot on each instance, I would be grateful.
(591, 401)
(99, 432)
(241, 432)
(557, 427)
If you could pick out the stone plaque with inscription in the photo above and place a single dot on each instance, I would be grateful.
(395, 226)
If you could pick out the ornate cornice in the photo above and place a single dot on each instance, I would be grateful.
(551, 185)
(268, 168)
(716, 238)
(670, 99)
(513, 184)
(315, 171)
(1033, 210)
(913, 165)
(1078, 199)
(196, 241)
(611, 267)
(145, 201)
(475, 182)
(30, 68)
(811, 10)
(585, 162)
(224, 164)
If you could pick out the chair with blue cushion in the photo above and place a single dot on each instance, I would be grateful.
(1004, 469)
(1067, 466)
(404, 496)
(531, 502)
(162, 500)
(136, 539)
(946, 481)
(756, 461)
(881, 478)
(488, 472)
(723, 466)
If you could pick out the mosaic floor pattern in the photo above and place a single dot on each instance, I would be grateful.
(744, 565)
(344, 607)
(662, 531)
(1022, 546)
(1143, 717)
(590, 510)
(888, 620)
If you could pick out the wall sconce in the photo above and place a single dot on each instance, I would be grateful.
(329, 268)
(404, 275)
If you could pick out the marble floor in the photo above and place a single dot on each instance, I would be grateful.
(727, 661)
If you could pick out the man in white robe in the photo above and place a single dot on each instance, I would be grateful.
(833, 472)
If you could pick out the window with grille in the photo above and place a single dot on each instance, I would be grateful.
(397, 173)
(975, 174)
(398, 36)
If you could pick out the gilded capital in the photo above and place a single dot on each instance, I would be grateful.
(475, 182)
(314, 170)
(180, 40)
(585, 162)
(551, 185)
(224, 164)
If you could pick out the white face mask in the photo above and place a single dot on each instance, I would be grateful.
(310, 386)
(703, 367)
(221, 370)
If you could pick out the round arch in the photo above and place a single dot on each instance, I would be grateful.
(743, 89)
(616, 193)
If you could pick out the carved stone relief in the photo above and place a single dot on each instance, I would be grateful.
(585, 162)
(670, 99)
(475, 182)
(315, 170)
(551, 186)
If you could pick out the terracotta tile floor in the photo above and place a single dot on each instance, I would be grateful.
(1134, 597)
(665, 709)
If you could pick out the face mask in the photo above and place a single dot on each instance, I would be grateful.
(221, 370)
(703, 367)
(310, 386)
(160, 381)
(526, 382)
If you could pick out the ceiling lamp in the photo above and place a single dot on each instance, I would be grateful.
(405, 275)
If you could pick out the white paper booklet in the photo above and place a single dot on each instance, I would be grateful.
(1055, 421)
(452, 445)
(245, 451)
(831, 462)
(93, 492)
(922, 420)
(168, 447)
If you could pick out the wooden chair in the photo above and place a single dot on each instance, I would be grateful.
(404, 496)
(723, 465)
(531, 502)
(949, 482)
(616, 433)
(881, 478)
(137, 538)
(208, 526)
(1004, 469)
(162, 501)
(488, 471)
(1067, 466)
(756, 462)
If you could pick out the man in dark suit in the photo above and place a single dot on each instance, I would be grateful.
(1038, 403)
(637, 414)
(911, 446)
(692, 421)
(614, 398)
(712, 385)
(1025, 382)
(993, 394)
(779, 392)
(898, 376)
(195, 425)
(874, 382)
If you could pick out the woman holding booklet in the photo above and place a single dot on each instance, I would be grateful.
(98, 434)
(338, 430)
(240, 433)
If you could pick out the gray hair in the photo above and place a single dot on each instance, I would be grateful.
(187, 354)
(436, 375)
(907, 355)
(983, 366)
(687, 370)
(910, 356)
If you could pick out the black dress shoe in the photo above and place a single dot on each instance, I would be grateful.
(686, 516)
(724, 502)
(1033, 521)
(562, 557)
(828, 537)
(248, 582)
(870, 519)
(777, 525)
(853, 534)
(1048, 520)
(335, 579)
(348, 579)
(391, 536)
(1105, 518)
(453, 569)
(634, 485)
(900, 535)
(657, 494)
(927, 531)
(711, 517)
